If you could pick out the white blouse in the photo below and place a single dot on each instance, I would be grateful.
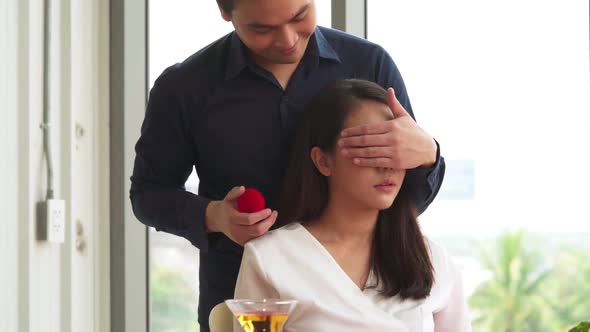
(290, 263)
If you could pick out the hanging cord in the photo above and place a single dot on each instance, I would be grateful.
(46, 125)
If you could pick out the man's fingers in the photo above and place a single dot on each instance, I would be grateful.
(369, 152)
(396, 107)
(235, 193)
(247, 219)
(364, 140)
(262, 227)
(370, 129)
(391, 99)
(375, 162)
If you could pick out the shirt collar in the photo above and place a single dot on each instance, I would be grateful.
(322, 47)
(238, 59)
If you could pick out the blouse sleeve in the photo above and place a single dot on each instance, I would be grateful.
(252, 283)
(252, 280)
(454, 316)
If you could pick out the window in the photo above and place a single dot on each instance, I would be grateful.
(504, 87)
(177, 29)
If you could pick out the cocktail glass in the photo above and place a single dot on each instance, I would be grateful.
(268, 315)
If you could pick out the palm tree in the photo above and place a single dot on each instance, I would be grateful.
(571, 287)
(512, 300)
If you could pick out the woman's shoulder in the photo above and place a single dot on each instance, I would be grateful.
(445, 272)
(439, 256)
(277, 239)
(437, 250)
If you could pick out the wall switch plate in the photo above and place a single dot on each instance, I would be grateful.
(56, 220)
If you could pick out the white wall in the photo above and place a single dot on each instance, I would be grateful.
(54, 287)
(8, 168)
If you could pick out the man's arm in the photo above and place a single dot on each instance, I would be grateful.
(163, 162)
(425, 180)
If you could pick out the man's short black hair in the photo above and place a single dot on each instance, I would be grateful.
(227, 5)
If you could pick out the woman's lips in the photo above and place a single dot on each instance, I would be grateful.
(386, 186)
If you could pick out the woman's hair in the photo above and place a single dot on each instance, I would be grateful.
(227, 5)
(399, 255)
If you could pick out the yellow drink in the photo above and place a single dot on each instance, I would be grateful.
(262, 321)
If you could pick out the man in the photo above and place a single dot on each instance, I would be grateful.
(231, 109)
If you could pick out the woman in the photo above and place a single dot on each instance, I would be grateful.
(352, 252)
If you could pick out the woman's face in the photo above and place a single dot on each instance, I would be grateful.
(363, 187)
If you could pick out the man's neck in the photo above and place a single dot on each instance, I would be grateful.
(282, 72)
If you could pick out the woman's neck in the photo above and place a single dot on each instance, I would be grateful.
(347, 234)
(346, 223)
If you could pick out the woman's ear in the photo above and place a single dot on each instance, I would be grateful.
(321, 161)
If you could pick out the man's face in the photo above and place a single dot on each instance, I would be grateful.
(275, 31)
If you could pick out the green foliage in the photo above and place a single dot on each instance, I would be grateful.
(528, 291)
(582, 327)
(171, 298)
(570, 288)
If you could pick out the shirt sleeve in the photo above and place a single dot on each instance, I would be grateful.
(454, 316)
(164, 159)
(425, 182)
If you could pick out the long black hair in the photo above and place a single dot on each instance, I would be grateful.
(399, 256)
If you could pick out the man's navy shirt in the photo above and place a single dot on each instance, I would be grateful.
(232, 121)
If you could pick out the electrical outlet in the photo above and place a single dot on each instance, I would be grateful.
(56, 220)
